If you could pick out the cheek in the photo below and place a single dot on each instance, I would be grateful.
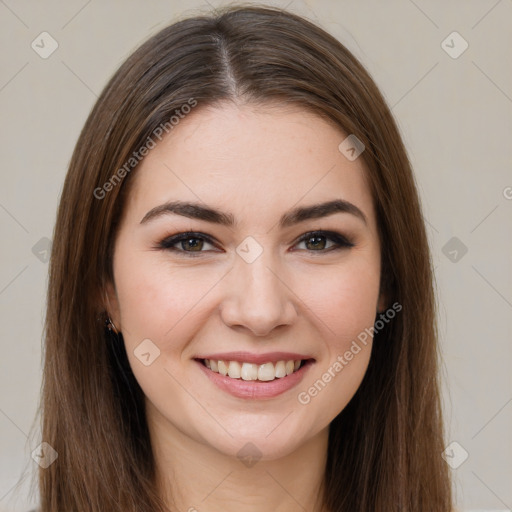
(344, 299)
(146, 299)
(165, 305)
(159, 301)
(344, 305)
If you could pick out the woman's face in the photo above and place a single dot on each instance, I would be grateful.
(252, 285)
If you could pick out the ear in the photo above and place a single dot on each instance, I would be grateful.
(111, 304)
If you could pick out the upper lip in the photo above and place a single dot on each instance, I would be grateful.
(248, 357)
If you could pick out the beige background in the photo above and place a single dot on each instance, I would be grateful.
(455, 114)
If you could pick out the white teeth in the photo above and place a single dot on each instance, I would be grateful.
(223, 369)
(266, 372)
(249, 371)
(280, 369)
(234, 369)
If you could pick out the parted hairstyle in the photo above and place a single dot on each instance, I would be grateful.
(384, 450)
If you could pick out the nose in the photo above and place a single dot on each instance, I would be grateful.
(257, 298)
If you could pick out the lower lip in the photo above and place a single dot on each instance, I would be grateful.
(256, 389)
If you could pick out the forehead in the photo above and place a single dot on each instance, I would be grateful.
(250, 159)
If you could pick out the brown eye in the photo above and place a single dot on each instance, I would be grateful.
(186, 243)
(317, 241)
(195, 244)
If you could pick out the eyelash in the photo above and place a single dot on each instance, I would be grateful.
(168, 243)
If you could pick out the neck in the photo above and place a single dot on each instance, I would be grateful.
(195, 477)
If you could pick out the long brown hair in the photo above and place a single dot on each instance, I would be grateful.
(385, 447)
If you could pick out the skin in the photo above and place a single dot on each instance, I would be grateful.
(256, 163)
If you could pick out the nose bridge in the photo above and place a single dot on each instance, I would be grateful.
(258, 299)
(261, 278)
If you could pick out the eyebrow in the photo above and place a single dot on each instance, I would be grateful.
(294, 216)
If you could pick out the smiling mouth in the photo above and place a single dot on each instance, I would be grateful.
(256, 372)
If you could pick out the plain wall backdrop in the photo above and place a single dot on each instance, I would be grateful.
(444, 68)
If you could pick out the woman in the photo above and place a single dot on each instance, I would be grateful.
(240, 309)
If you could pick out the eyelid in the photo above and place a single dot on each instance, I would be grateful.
(340, 241)
(171, 240)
